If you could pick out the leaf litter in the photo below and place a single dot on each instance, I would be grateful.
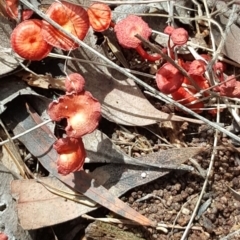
(223, 163)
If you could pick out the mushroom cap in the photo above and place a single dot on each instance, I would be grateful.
(73, 18)
(27, 40)
(12, 10)
(179, 36)
(82, 112)
(74, 83)
(127, 28)
(168, 30)
(197, 67)
(168, 78)
(71, 154)
(230, 88)
(100, 16)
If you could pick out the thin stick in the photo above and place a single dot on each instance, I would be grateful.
(185, 234)
(26, 132)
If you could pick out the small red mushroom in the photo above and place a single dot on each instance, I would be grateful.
(74, 83)
(168, 78)
(71, 154)
(12, 10)
(229, 88)
(27, 40)
(100, 16)
(197, 67)
(81, 110)
(187, 97)
(179, 36)
(126, 30)
(168, 30)
(73, 18)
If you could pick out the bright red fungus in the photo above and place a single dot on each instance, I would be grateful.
(81, 110)
(168, 30)
(12, 10)
(74, 83)
(71, 154)
(179, 36)
(197, 67)
(73, 18)
(27, 40)
(230, 88)
(100, 16)
(126, 30)
(187, 97)
(168, 78)
(3, 236)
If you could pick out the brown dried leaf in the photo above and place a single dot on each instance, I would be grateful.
(8, 213)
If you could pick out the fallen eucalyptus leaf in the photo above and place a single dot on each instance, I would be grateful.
(101, 149)
(8, 209)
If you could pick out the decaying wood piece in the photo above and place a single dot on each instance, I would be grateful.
(101, 230)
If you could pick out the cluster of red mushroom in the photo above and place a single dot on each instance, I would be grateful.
(33, 39)
(170, 80)
(83, 113)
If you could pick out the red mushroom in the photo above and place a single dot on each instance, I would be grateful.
(179, 36)
(186, 97)
(71, 154)
(197, 67)
(12, 10)
(126, 30)
(168, 30)
(168, 78)
(3, 236)
(74, 83)
(100, 16)
(73, 18)
(27, 40)
(229, 88)
(82, 112)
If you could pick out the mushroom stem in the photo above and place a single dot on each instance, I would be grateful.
(145, 55)
(112, 24)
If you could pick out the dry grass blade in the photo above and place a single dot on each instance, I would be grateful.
(14, 154)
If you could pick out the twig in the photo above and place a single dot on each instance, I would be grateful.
(185, 234)
(26, 132)
(55, 55)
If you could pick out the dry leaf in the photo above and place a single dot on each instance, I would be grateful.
(34, 201)
(8, 211)
(10, 88)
